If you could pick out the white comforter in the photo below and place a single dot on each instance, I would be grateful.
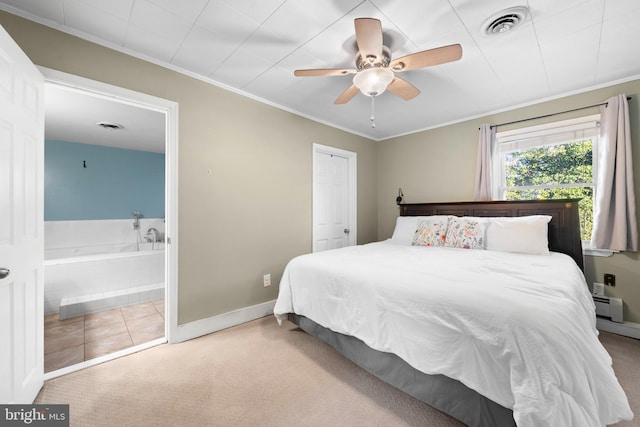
(519, 329)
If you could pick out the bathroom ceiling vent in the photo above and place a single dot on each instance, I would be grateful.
(505, 21)
(109, 126)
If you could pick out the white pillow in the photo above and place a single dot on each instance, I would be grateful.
(525, 234)
(406, 227)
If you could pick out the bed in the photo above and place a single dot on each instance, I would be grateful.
(479, 309)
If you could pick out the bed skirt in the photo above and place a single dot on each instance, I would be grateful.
(441, 392)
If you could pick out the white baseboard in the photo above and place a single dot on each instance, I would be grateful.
(628, 329)
(206, 326)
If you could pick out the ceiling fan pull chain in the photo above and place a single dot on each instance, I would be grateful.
(373, 123)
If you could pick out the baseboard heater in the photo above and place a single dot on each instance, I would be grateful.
(609, 307)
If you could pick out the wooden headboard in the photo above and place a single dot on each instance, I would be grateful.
(564, 227)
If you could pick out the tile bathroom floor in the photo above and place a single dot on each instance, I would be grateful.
(74, 340)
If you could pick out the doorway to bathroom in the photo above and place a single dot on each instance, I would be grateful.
(110, 233)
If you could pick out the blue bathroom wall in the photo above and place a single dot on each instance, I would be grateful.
(87, 182)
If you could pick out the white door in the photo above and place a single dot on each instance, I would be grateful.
(333, 198)
(21, 225)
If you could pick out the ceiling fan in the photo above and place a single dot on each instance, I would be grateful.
(375, 70)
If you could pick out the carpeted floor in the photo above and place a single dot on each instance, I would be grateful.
(259, 374)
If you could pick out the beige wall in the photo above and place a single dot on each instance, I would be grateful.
(439, 165)
(253, 212)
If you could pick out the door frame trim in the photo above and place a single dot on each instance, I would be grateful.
(352, 176)
(170, 109)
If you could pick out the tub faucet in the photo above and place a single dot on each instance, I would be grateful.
(153, 235)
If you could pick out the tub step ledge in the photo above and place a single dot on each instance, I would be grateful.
(95, 303)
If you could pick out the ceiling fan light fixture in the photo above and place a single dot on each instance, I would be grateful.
(373, 81)
(375, 72)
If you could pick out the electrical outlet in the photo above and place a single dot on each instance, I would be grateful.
(609, 279)
(266, 280)
(598, 289)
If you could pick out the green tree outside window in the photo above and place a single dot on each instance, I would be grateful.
(562, 171)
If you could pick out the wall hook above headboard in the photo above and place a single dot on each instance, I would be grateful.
(400, 196)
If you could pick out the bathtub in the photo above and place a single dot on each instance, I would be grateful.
(90, 279)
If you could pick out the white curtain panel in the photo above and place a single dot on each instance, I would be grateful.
(486, 141)
(615, 223)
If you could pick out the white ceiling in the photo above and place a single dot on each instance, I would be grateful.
(73, 116)
(253, 47)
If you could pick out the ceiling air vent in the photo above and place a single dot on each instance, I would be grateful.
(109, 126)
(505, 21)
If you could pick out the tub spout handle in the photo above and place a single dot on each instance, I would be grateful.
(4, 272)
(153, 235)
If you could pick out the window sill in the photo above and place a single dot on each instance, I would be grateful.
(588, 251)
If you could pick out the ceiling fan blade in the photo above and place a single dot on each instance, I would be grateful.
(403, 89)
(324, 72)
(369, 38)
(427, 58)
(347, 95)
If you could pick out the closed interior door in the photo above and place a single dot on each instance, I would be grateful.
(21, 225)
(332, 216)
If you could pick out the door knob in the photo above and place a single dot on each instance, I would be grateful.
(4, 272)
(347, 231)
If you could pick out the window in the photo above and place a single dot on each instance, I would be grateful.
(552, 161)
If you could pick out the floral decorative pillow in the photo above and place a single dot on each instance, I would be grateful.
(465, 233)
(431, 232)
